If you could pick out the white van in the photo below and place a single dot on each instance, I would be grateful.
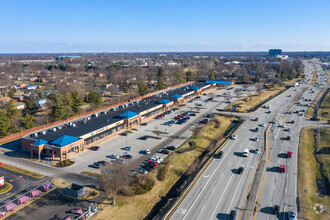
(246, 153)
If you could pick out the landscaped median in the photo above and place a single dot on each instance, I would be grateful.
(309, 176)
(22, 171)
(313, 105)
(5, 188)
(253, 101)
(324, 109)
(139, 206)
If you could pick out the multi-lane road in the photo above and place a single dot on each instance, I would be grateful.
(220, 189)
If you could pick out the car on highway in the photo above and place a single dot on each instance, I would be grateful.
(292, 215)
(113, 156)
(127, 148)
(288, 129)
(256, 119)
(219, 155)
(143, 138)
(147, 151)
(300, 114)
(256, 151)
(282, 168)
(292, 122)
(263, 125)
(234, 136)
(256, 139)
(127, 156)
(240, 170)
(289, 154)
(232, 214)
(276, 209)
(124, 133)
(246, 153)
(257, 129)
(165, 151)
(288, 138)
(268, 112)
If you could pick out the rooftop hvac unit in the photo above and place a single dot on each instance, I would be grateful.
(54, 129)
(74, 125)
(35, 134)
(85, 122)
(89, 118)
(43, 132)
(59, 127)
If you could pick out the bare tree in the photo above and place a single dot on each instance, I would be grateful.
(157, 131)
(238, 92)
(114, 178)
(259, 88)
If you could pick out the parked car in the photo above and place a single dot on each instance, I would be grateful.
(234, 137)
(276, 209)
(143, 138)
(98, 164)
(127, 148)
(142, 170)
(263, 125)
(124, 133)
(119, 160)
(165, 151)
(113, 156)
(171, 147)
(204, 121)
(127, 156)
(95, 148)
(152, 162)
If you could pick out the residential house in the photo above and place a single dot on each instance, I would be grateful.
(4, 100)
(19, 105)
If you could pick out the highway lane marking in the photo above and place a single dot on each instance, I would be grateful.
(200, 192)
(203, 208)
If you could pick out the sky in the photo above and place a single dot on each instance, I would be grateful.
(77, 26)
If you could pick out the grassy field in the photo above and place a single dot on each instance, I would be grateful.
(310, 110)
(308, 172)
(22, 171)
(324, 110)
(246, 104)
(137, 207)
(91, 173)
(290, 82)
(313, 82)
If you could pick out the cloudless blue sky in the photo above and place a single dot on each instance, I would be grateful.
(33, 26)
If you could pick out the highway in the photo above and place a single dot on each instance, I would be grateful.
(220, 189)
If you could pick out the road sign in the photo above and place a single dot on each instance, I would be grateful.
(2, 180)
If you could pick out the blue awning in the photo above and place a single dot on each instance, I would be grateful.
(195, 88)
(39, 142)
(128, 114)
(221, 82)
(176, 96)
(64, 140)
(164, 101)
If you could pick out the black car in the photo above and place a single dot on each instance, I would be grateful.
(171, 148)
(276, 209)
(95, 148)
(232, 214)
(124, 133)
(219, 155)
(127, 156)
(165, 152)
(240, 170)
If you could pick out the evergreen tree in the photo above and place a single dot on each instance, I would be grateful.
(160, 72)
(76, 102)
(4, 123)
(58, 111)
(12, 111)
(143, 90)
(161, 84)
(95, 99)
(178, 76)
(28, 121)
(67, 103)
(31, 106)
(190, 76)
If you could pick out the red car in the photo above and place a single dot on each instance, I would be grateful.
(257, 119)
(289, 154)
(152, 162)
(188, 117)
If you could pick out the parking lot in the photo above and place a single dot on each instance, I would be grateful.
(170, 135)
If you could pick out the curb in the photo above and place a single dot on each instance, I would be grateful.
(10, 187)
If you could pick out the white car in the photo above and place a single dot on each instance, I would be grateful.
(147, 151)
(292, 215)
(284, 126)
(263, 125)
(256, 139)
(288, 130)
(256, 151)
(234, 136)
(246, 153)
(113, 156)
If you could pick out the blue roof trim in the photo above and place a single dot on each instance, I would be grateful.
(128, 114)
(164, 101)
(219, 82)
(195, 88)
(175, 96)
(39, 142)
(64, 140)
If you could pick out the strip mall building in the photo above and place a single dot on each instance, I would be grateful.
(66, 140)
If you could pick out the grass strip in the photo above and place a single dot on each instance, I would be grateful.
(308, 172)
(22, 171)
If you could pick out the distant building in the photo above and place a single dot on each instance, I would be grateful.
(283, 57)
(19, 105)
(275, 52)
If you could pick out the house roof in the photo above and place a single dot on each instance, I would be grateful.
(164, 101)
(128, 114)
(39, 142)
(64, 140)
(175, 96)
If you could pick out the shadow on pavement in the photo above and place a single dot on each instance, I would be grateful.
(282, 155)
(267, 210)
(273, 169)
(238, 154)
(222, 216)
